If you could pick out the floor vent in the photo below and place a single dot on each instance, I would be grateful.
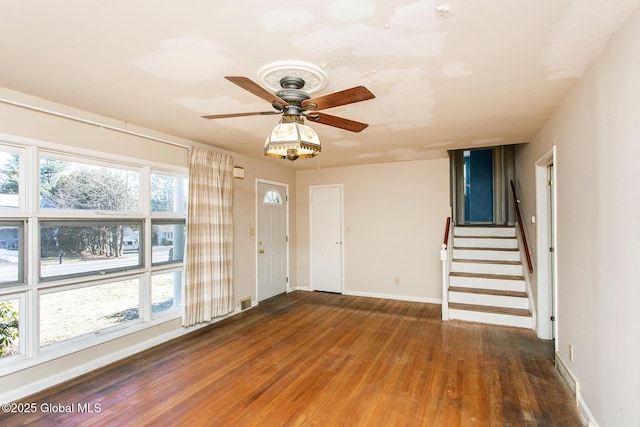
(245, 303)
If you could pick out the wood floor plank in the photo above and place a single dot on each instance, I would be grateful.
(317, 359)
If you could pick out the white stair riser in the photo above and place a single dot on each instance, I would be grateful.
(485, 231)
(486, 255)
(482, 283)
(478, 268)
(470, 242)
(492, 318)
(491, 300)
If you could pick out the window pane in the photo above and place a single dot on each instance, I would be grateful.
(167, 240)
(9, 317)
(88, 247)
(9, 180)
(272, 197)
(11, 252)
(169, 193)
(165, 291)
(69, 314)
(77, 186)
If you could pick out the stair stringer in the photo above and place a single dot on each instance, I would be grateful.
(527, 277)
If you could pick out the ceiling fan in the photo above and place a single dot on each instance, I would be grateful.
(294, 102)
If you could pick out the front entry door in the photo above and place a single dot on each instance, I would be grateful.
(272, 240)
(478, 186)
(326, 238)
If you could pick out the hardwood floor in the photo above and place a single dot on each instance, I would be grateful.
(306, 359)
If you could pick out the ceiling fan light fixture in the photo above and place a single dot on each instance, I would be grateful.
(291, 139)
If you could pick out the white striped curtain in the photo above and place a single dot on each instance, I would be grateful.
(208, 282)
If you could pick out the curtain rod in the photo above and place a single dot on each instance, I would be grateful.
(90, 122)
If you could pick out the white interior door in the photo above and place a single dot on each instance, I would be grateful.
(326, 238)
(547, 325)
(271, 239)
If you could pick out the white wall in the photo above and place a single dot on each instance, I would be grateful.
(394, 223)
(597, 133)
(18, 122)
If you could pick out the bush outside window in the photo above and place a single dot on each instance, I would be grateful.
(9, 327)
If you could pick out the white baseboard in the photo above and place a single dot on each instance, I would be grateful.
(394, 297)
(573, 384)
(378, 295)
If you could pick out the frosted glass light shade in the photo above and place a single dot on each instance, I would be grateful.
(291, 139)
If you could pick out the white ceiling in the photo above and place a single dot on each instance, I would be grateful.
(446, 75)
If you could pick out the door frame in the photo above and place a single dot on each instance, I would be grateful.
(547, 280)
(256, 231)
(503, 171)
(342, 273)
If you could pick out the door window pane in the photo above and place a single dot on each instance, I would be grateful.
(72, 313)
(77, 186)
(272, 197)
(89, 247)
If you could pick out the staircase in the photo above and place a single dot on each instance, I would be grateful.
(486, 282)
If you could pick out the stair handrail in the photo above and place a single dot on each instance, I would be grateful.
(516, 202)
(446, 231)
(444, 257)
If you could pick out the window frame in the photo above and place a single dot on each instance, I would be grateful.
(31, 214)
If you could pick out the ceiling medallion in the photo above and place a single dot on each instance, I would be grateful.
(314, 77)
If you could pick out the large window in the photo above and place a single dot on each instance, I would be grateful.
(93, 248)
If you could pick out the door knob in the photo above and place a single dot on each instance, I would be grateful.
(261, 251)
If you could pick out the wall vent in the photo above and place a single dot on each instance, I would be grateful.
(245, 303)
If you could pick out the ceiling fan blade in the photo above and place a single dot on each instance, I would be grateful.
(338, 122)
(347, 96)
(257, 113)
(256, 89)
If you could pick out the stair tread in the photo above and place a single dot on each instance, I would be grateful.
(486, 276)
(470, 248)
(484, 226)
(481, 291)
(486, 261)
(486, 237)
(489, 309)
